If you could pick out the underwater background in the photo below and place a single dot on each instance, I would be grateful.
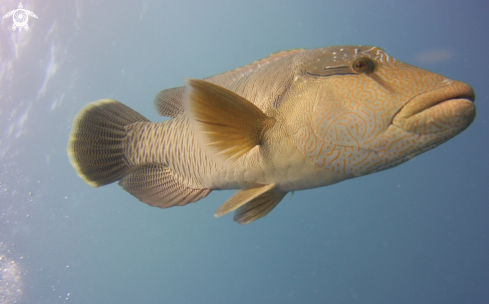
(417, 233)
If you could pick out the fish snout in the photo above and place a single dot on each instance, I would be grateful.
(450, 107)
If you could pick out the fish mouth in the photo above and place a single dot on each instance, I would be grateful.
(449, 107)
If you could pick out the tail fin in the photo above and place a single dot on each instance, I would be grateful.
(95, 145)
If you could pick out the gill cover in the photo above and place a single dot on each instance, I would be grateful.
(357, 92)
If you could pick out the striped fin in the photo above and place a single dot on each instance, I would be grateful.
(95, 147)
(155, 185)
(241, 198)
(228, 124)
(169, 102)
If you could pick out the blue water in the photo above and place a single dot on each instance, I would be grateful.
(417, 233)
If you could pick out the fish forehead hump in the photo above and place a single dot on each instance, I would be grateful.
(345, 123)
(321, 61)
(267, 84)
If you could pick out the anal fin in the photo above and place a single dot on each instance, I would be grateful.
(155, 185)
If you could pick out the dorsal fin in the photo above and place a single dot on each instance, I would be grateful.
(169, 102)
(226, 123)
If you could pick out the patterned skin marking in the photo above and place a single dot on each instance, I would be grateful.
(145, 143)
(347, 122)
(337, 112)
(352, 131)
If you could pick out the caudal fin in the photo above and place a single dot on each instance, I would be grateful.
(95, 147)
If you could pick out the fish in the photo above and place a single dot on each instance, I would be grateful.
(295, 120)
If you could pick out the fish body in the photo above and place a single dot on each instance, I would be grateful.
(295, 120)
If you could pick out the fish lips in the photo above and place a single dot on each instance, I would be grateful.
(448, 108)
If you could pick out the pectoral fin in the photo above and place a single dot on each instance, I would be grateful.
(241, 198)
(229, 124)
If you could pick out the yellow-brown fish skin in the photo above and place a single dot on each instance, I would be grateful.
(349, 126)
(295, 120)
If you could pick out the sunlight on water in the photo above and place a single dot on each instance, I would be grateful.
(11, 285)
(417, 233)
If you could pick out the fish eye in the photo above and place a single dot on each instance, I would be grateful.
(363, 65)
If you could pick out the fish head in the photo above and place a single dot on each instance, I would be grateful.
(364, 111)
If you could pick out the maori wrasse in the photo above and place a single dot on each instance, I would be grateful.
(295, 120)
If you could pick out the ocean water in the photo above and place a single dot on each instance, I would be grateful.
(417, 233)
